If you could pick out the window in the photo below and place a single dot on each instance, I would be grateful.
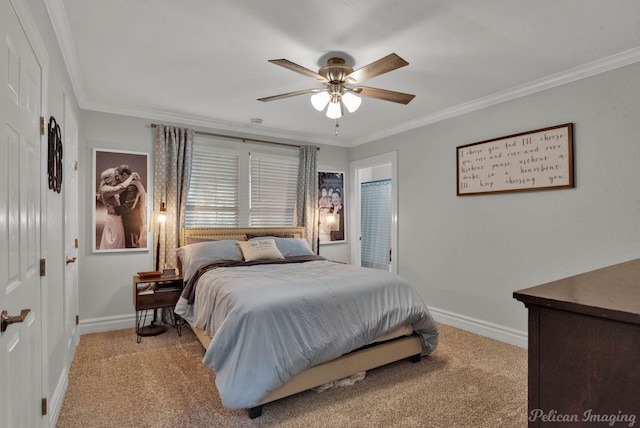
(273, 189)
(236, 188)
(213, 198)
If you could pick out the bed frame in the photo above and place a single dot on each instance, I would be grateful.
(346, 365)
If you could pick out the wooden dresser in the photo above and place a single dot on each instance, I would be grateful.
(584, 348)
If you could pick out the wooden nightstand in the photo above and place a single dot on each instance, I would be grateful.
(154, 293)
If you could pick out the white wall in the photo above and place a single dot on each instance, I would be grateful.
(467, 255)
(105, 279)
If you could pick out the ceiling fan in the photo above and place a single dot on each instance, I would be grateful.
(342, 84)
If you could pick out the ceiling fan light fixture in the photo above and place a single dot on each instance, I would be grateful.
(320, 100)
(336, 76)
(351, 101)
(334, 111)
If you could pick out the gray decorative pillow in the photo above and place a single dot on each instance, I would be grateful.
(194, 255)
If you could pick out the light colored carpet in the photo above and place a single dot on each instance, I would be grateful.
(469, 381)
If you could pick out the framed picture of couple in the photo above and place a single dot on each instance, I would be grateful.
(331, 197)
(120, 212)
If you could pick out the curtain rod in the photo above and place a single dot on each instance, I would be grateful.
(243, 139)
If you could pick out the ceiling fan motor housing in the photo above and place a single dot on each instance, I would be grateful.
(336, 70)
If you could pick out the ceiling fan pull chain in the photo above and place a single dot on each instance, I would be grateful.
(337, 125)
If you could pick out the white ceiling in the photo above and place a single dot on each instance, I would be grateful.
(204, 62)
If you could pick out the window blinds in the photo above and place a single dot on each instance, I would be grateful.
(273, 187)
(231, 188)
(375, 225)
(213, 191)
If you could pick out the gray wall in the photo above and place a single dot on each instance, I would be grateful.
(105, 279)
(468, 254)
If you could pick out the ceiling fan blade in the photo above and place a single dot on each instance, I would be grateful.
(383, 94)
(289, 94)
(299, 69)
(383, 65)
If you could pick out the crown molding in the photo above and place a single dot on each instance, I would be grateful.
(612, 62)
(58, 16)
(178, 119)
(61, 28)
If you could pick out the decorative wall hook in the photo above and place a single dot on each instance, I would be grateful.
(54, 162)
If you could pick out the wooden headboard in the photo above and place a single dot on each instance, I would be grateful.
(238, 233)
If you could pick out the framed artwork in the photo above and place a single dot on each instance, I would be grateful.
(533, 160)
(331, 197)
(120, 209)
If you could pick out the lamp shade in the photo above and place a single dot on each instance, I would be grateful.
(320, 100)
(162, 213)
(334, 111)
(351, 101)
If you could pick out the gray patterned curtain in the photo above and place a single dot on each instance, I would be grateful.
(172, 171)
(305, 212)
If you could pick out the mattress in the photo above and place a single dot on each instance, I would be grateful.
(269, 322)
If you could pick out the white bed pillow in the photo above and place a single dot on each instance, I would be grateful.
(260, 249)
(193, 255)
(290, 247)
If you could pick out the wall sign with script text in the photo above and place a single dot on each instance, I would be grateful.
(534, 160)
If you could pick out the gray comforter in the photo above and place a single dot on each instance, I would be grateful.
(270, 322)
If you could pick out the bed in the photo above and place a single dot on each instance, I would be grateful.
(276, 319)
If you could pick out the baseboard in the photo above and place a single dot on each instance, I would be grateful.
(483, 328)
(474, 325)
(98, 325)
(55, 404)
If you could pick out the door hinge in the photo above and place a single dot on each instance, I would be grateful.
(44, 406)
(77, 319)
(43, 267)
(77, 244)
(42, 126)
(75, 165)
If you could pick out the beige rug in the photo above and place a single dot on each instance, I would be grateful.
(469, 381)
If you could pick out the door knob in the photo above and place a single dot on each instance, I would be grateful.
(6, 319)
(72, 260)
